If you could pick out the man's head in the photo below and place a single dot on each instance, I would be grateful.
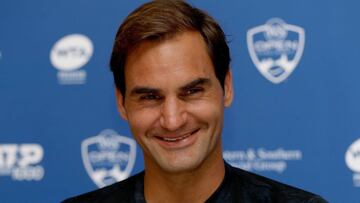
(163, 19)
(171, 68)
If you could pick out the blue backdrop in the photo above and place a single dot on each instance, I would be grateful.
(295, 116)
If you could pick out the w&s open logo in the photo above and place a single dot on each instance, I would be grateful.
(276, 48)
(108, 157)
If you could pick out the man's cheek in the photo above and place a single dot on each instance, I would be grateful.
(142, 120)
(205, 109)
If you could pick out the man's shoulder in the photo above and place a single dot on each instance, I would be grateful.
(264, 189)
(122, 191)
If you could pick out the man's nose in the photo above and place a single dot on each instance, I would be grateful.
(173, 114)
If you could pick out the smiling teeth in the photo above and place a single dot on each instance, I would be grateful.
(176, 138)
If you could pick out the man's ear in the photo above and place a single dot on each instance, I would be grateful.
(228, 89)
(120, 102)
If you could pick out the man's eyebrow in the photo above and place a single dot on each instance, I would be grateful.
(150, 90)
(144, 90)
(196, 82)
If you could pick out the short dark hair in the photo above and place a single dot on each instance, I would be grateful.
(163, 19)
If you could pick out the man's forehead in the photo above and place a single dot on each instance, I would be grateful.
(179, 52)
(158, 39)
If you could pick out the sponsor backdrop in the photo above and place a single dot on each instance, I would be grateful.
(295, 117)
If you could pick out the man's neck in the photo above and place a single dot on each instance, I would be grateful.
(193, 186)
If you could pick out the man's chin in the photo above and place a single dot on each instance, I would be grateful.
(179, 166)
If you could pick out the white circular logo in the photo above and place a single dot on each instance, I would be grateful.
(352, 156)
(71, 52)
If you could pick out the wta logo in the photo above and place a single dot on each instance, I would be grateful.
(108, 157)
(276, 48)
(68, 55)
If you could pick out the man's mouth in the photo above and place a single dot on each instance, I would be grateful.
(178, 138)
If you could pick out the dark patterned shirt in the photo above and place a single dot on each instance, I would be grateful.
(238, 186)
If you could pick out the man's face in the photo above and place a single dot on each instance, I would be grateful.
(174, 103)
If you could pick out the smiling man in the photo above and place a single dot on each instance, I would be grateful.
(171, 68)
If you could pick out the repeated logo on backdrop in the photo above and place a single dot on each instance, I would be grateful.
(276, 48)
(352, 159)
(22, 162)
(108, 157)
(261, 159)
(68, 55)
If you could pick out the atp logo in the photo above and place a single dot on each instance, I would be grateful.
(276, 48)
(22, 161)
(108, 157)
(352, 159)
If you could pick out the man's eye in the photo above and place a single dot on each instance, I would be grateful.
(150, 97)
(193, 91)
